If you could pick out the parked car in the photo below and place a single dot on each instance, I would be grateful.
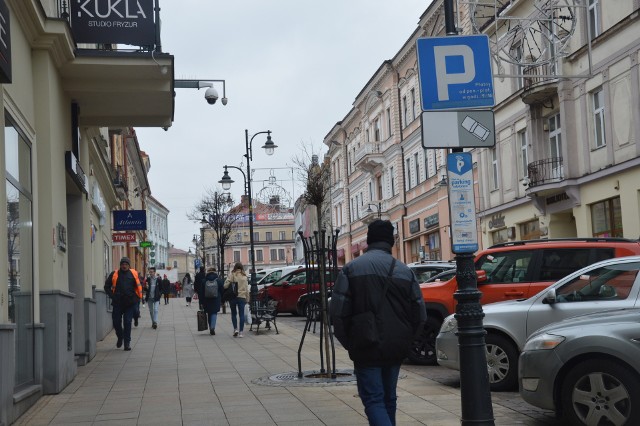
(425, 270)
(610, 284)
(310, 303)
(272, 275)
(288, 289)
(442, 276)
(586, 368)
(515, 270)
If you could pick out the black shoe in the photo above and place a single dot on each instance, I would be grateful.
(212, 332)
(154, 326)
(135, 322)
(119, 344)
(127, 348)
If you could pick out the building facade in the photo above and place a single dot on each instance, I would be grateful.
(63, 118)
(157, 233)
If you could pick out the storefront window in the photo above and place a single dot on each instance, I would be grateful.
(500, 236)
(433, 249)
(606, 218)
(530, 230)
(20, 249)
(415, 250)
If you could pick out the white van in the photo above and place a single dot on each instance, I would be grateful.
(274, 274)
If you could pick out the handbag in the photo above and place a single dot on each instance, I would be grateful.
(203, 324)
(230, 292)
(247, 314)
(363, 332)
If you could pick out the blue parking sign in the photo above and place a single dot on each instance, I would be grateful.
(455, 72)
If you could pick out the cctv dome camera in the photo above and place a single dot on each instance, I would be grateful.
(211, 95)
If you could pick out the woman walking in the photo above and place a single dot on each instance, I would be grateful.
(187, 288)
(211, 305)
(237, 305)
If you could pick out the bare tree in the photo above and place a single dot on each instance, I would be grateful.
(216, 212)
(316, 178)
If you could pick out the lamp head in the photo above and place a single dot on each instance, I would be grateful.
(226, 180)
(269, 146)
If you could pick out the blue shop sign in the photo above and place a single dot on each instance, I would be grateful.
(130, 220)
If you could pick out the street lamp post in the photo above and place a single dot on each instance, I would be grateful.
(226, 182)
(377, 206)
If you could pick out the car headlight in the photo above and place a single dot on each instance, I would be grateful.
(543, 342)
(450, 323)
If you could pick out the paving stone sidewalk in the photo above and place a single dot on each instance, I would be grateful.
(177, 376)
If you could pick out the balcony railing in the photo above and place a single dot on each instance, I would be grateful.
(120, 182)
(545, 171)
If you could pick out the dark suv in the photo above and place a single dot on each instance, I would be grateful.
(515, 270)
(288, 289)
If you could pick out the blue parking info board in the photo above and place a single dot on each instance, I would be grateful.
(462, 206)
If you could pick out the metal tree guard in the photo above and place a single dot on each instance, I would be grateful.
(321, 262)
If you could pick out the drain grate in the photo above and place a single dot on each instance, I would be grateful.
(309, 378)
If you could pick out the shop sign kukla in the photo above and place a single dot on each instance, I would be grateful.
(113, 21)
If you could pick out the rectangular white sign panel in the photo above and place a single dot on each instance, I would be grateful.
(462, 206)
(458, 129)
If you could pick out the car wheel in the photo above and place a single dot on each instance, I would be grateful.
(597, 392)
(423, 348)
(502, 363)
(312, 309)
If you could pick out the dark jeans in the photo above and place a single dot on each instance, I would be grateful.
(377, 390)
(136, 313)
(120, 315)
(166, 298)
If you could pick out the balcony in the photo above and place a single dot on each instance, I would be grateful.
(540, 83)
(545, 171)
(114, 88)
(369, 157)
(120, 182)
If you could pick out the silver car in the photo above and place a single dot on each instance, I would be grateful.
(610, 284)
(586, 368)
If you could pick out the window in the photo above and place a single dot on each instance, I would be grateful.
(379, 186)
(259, 257)
(392, 178)
(269, 236)
(371, 198)
(415, 249)
(293, 235)
(530, 230)
(494, 169)
(388, 122)
(256, 236)
(17, 151)
(517, 52)
(558, 263)
(524, 153)
(357, 212)
(606, 218)
(598, 118)
(405, 112)
(505, 267)
(613, 282)
(433, 249)
(594, 18)
(376, 130)
(555, 146)
(417, 164)
(500, 236)
(408, 172)
(274, 254)
(349, 164)
(236, 256)
(282, 235)
(413, 104)
(281, 254)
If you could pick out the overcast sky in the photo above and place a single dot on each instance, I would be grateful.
(291, 66)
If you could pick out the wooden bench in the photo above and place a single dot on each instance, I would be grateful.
(264, 312)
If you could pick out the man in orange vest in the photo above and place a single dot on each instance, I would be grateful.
(123, 286)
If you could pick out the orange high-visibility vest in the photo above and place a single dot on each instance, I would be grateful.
(114, 281)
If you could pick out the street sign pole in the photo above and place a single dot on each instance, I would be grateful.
(455, 73)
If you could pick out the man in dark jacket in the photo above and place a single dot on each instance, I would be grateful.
(123, 286)
(165, 286)
(153, 295)
(377, 309)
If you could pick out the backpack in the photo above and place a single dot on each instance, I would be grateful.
(211, 288)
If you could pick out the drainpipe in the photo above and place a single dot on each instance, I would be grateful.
(401, 251)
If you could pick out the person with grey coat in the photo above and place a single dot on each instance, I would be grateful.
(187, 288)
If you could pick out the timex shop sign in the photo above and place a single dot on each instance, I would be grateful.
(113, 21)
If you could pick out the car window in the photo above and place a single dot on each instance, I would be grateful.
(298, 278)
(505, 267)
(558, 263)
(613, 282)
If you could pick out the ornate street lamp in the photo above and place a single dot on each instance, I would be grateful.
(226, 182)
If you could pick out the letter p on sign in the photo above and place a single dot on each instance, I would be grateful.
(455, 72)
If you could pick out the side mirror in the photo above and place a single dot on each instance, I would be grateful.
(481, 276)
(550, 297)
(285, 284)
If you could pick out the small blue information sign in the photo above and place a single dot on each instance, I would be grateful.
(462, 206)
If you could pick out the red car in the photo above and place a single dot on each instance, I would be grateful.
(288, 289)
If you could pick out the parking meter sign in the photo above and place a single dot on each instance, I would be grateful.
(464, 234)
(455, 72)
